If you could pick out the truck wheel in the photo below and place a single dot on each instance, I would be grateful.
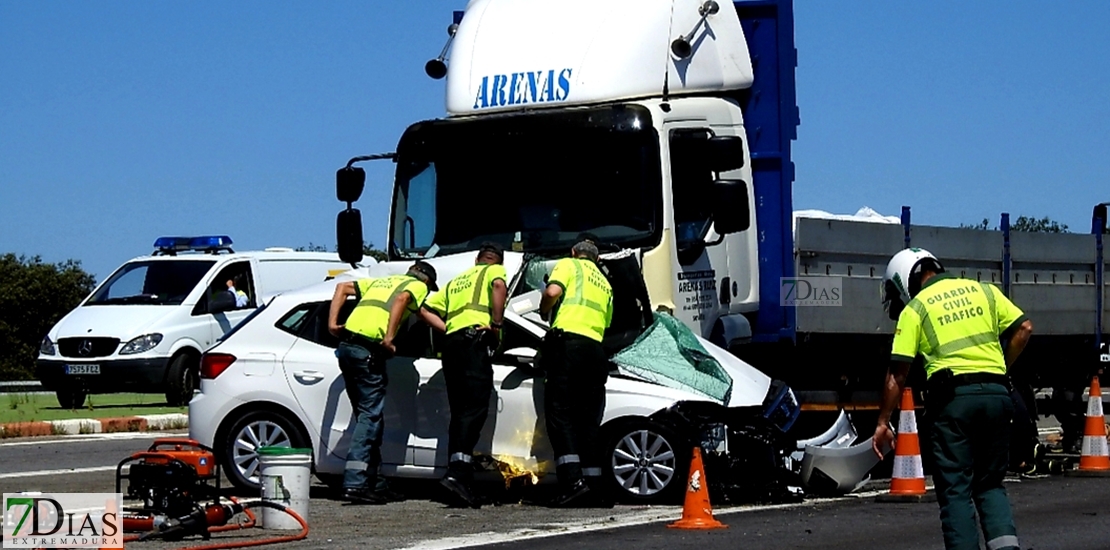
(248, 433)
(182, 379)
(71, 398)
(644, 462)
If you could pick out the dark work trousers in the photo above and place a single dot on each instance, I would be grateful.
(970, 440)
(468, 374)
(574, 401)
(1024, 438)
(363, 368)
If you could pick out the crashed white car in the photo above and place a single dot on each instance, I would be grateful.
(274, 381)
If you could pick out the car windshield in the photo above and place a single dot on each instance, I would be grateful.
(531, 182)
(151, 282)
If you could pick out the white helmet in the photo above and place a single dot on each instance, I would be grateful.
(903, 278)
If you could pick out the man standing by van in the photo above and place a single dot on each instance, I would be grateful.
(580, 299)
(366, 341)
(473, 307)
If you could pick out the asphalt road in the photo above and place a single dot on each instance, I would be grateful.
(1059, 512)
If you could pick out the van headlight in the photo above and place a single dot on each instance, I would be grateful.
(140, 344)
(47, 346)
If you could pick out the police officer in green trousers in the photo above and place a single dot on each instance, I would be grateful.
(472, 306)
(366, 341)
(580, 300)
(957, 325)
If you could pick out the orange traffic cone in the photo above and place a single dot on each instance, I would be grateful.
(696, 512)
(1095, 457)
(907, 481)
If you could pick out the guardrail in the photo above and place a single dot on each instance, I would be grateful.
(20, 386)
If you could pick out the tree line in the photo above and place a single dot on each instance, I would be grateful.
(33, 296)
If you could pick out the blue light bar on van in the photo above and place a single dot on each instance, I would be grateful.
(207, 243)
(210, 243)
(172, 243)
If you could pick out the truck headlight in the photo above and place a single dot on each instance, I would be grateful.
(140, 344)
(47, 346)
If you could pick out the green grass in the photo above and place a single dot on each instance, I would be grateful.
(28, 407)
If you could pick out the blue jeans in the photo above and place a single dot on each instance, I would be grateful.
(365, 377)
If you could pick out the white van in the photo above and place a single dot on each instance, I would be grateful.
(144, 328)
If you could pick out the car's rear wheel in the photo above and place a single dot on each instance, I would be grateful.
(644, 461)
(252, 431)
(71, 398)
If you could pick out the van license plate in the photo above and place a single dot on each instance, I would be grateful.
(82, 369)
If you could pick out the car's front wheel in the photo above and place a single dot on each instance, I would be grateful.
(250, 432)
(644, 461)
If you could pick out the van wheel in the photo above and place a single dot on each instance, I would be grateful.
(71, 398)
(182, 379)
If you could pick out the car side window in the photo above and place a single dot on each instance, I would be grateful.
(294, 321)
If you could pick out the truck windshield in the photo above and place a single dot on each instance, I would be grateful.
(164, 282)
(532, 182)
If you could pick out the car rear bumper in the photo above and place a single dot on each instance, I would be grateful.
(116, 375)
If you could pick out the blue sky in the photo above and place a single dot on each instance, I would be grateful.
(122, 121)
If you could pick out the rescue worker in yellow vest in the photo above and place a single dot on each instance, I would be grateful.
(959, 326)
(366, 341)
(473, 307)
(580, 300)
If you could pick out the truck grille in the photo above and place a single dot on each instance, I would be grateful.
(87, 347)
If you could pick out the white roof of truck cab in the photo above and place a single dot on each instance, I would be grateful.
(514, 55)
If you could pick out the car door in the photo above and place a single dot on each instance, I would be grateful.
(313, 374)
(513, 432)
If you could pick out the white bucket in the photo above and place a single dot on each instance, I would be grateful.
(285, 474)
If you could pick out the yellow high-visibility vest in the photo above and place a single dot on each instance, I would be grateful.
(370, 317)
(466, 300)
(586, 306)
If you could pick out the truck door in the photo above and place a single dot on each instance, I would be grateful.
(701, 253)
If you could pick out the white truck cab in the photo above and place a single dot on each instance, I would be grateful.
(144, 328)
(559, 125)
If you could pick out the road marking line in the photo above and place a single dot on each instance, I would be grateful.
(40, 473)
(655, 515)
(94, 437)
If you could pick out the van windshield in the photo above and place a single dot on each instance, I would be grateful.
(164, 283)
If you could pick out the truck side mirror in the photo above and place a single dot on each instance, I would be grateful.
(731, 212)
(1099, 215)
(724, 153)
(348, 235)
(349, 182)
